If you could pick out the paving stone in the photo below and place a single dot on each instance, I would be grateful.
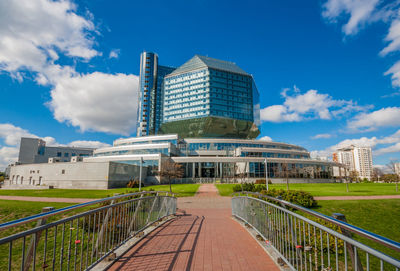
(205, 238)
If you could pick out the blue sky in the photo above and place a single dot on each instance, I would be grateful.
(326, 70)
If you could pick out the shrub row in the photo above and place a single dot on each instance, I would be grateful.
(298, 197)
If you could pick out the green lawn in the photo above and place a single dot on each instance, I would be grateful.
(378, 216)
(184, 190)
(13, 209)
(328, 189)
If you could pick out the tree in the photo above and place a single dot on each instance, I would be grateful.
(353, 176)
(377, 173)
(392, 167)
(170, 170)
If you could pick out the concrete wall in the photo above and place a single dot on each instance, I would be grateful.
(78, 175)
(120, 174)
(28, 150)
(34, 150)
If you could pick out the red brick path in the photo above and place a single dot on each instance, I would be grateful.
(203, 238)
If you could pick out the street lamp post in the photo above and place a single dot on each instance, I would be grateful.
(266, 172)
(140, 174)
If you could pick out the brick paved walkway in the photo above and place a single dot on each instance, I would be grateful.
(202, 237)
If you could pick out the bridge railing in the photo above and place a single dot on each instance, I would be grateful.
(307, 240)
(78, 241)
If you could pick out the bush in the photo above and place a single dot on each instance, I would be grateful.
(250, 187)
(262, 181)
(244, 187)
(133, 184)
(298, 197)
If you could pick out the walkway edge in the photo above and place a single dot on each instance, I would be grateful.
(268, 250)
(105, 264)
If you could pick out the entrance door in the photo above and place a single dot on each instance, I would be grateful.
(208, 172)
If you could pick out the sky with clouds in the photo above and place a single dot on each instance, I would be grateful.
(328, 72)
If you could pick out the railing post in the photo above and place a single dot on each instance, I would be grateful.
(152, 207)
(350, 248)
(104, 225)
(162, 206)
(35, 240)
(134, 215)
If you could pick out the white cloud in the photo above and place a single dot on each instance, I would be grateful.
(97, 101)
(8, 155)
(278, 113)
(384, 117)
(393, 37)
(114, 53)
(11, 136)
(390, 149)
(394, 71)
(319, 136)
(310, 105)
(358, 12)
(265, 138)
(373, 142)
(35, 33)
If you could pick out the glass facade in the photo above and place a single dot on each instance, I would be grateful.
(158, 103)
(152, 165)
(147, 88)
(210, 92)
(140, 151)
(234, 145)
(186, 96)
(236, 158)
(256, 170)
(213, 92)
(275, 155)
(151, 96)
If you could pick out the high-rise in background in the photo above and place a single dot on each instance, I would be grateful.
(358, 159)
(205, 97)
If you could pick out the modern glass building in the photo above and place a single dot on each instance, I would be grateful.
(228, 160)
(150, 104)
(205, 115)
(207, 97)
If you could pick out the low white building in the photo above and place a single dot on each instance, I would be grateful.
(76, 175)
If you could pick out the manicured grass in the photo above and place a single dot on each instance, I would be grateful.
(378, 216)
(13, 209)
(328, 189)
(184, 190)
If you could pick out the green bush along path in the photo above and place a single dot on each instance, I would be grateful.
(328, 189)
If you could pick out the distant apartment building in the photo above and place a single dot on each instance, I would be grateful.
(397, 168)
(357, 159)
(34, 150)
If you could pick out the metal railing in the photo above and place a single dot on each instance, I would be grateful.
(80, 241)
(319, 242)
